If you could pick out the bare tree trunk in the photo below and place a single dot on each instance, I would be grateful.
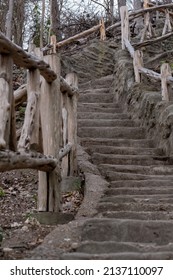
(9, 19)
(42, 24)
(111, 11)
(19, 18)
(137, 4)
(120, 4)
(55, 19)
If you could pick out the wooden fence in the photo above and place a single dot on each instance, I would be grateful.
(50, 123)
(135, 50)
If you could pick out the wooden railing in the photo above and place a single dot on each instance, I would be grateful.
(135, 50)
(50, 123)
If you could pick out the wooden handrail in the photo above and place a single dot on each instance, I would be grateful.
(9, 160)
(141, 12)
(24, 59)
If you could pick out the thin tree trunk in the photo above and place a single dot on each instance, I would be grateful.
(9, 19)
(55, 19)
(42, 24)
(137, 4)
(120, 4)
(112, 11)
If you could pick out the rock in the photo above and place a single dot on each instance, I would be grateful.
(25, 229)
(1, 235)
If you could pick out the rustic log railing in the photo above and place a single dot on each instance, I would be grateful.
(50, 123)
(135, 50)
(42, 128)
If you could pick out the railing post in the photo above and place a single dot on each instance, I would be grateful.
(165, 88)
(72, 80)
(65, 115)
(137, 63)
(30, 129)
(124, 25)
(102, 30)
(167, 25)
(7, 107)
(50, 111)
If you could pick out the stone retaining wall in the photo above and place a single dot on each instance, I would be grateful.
(143, 102)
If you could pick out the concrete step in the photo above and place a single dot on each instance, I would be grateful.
(124, 160)
(136, 207)
(127, 230)
(96, 97)
(137, 169)
(100, 105)
(102, 90)
(143, 182)
(109, 247)
(123, 150)
(139, 191)
(93, 115)
(98, 109)
(97, 83)
(119, 176)
(124, 143)
(138, 215)
(106, 123)
(144, 198)
(115, 132)
(119, 256)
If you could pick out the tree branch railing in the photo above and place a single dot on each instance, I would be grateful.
(100, 27)
(165, 75)
(42, 127)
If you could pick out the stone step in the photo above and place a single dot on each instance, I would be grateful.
(124, 160)
(123, 150)
(144, 198)
(139, 215)
(106, 123)
(143, 182)
(137, 169)
(128, 230)
(139, 191)
(136, 207)
(98, 109)
(119, 256)
(96, 98)
(100, 105)
(120, 176)
(98, 83)
(109, 116)
(108, 247)
(102, 90)
(115, 132)
(124, 143)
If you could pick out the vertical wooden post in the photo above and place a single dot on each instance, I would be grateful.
(165, 88)
(65, 115)
(102, 30)
(50, 110)
(72, 79)
(124, 25)
(30, 130)
(7, 112)
(167, 25)
(146, 4)
(137, 63)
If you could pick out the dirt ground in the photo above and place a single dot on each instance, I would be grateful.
(18, 201)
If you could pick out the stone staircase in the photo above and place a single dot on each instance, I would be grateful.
(135, 214)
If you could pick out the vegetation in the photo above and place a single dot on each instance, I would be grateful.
(2, 192)
(35, 20)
